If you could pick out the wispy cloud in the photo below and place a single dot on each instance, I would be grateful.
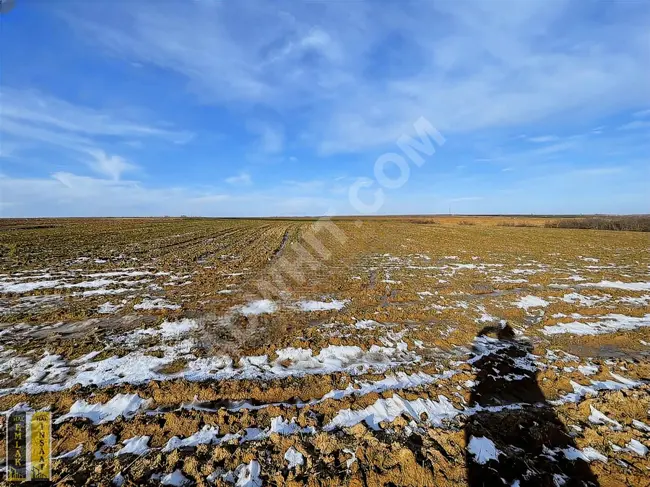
(111, 166)
(301, 92)
(332, 59)
(543, 139)
(242, 179)
(34, 118)
(636, 125)
(55, 115)
(69, 194)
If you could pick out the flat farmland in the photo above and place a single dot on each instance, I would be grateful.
(379, 352)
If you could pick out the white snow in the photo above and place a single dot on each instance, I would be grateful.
(637, 447)
(294, 457)
(640, 425)
(121, 405)
(588, 369)
(174, 329)
(248, 475)
(588, 454)
(118, 480)
(483, 449)
(531, 302)
(175, 478)
(351, 460)
(259, 307)
(630, 286)
(596, 417)
(137, 445)
(391, 408)
(610, 323)
(572, 298)
(159, 303)
(337, 357)
(52, 373)
(640, 301)
(580, 391)
(321, 305)
(71, 454)
(109, 440)
(284, 427)
(559, 479)
(98, 292)
(23, 287)
(167, 330)
(398, 381)
(576, 277)
(594, 455)
(485, 316)
(108, 308)
(207, 435)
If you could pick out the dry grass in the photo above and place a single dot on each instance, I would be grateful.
(639, 223)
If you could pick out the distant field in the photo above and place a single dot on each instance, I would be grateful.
(299, 352)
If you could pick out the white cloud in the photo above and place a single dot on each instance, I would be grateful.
(493, 65)
(68, 194)
(54, 115)
(243, 179)
(111, 166)
(32, 119)
(543, 139)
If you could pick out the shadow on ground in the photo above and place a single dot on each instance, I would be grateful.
(515, 438)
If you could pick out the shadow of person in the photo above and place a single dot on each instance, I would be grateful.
(513, 436)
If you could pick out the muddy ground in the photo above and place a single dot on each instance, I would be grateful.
(397, 352)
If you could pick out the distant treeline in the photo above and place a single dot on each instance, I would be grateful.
(640, 223)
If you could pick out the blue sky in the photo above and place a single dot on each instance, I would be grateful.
(224, 108)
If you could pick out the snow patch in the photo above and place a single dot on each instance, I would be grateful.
(391, 408)
(175, 478)
(531, 302)
(596, 417)
(207, 435)
(258, 307)
(483, 449)
(629, 286)
(248, 475)
(637, 447)
(158, 303)
(611, 323)
(321, 305)
(572, 298)
(640, 425)
(71, 454)
(108, 308)
(121, 405)
(138, 445)
(294, 457)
